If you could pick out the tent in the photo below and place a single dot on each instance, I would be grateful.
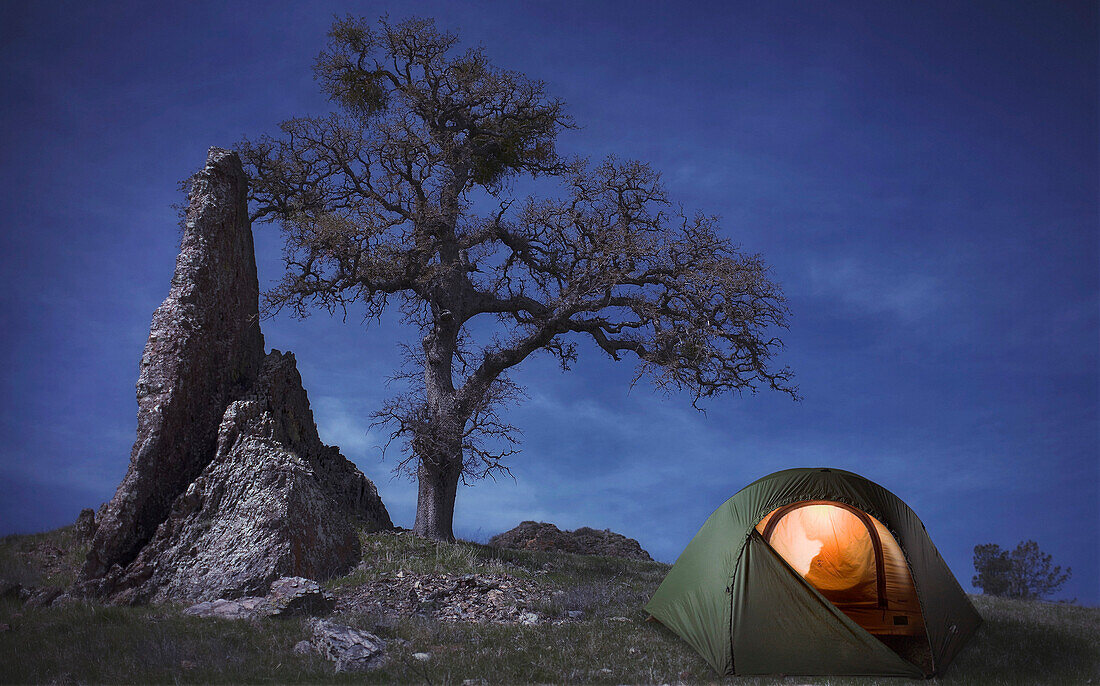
(816, 571)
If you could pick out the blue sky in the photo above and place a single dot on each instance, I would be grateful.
(922, 177)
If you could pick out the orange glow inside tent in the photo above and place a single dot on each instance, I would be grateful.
(851, 559)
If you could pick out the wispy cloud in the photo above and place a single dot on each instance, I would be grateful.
(878, 288)
(346, 423)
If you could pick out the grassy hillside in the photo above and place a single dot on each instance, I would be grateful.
(1020, 642)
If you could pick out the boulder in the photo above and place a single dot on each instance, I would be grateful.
(241, 608)
(352, 650)
(229, 486)
(291, 596)
(583, 541)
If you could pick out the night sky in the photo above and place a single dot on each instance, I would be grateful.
(922, 177)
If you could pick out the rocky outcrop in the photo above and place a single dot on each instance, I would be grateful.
(273, 502)
(583, 541)
(229, 485)
(204, 350)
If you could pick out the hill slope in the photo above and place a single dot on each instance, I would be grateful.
(590, 627)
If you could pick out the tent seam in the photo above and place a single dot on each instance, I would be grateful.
(733, 578)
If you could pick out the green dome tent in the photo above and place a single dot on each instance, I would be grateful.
(816, 571)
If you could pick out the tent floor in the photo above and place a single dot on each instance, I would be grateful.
(880, 623)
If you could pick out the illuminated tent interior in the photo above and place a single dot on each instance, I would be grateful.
(816, 572)
(852, 559)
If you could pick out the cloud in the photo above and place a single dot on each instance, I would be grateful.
(346, 423)
(879, 289)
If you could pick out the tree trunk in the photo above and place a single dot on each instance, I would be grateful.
(439, 445)
(435, 500)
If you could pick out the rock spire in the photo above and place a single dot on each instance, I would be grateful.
(229, 486)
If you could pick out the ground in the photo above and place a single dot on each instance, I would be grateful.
(591, 627)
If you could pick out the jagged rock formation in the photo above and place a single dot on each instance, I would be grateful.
(583, 541)
(229, 486)
(204, 349)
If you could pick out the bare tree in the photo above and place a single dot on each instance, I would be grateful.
(406, 193)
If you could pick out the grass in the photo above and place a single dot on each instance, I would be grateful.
(46, 559)
(1020, 642)
(1031, 642)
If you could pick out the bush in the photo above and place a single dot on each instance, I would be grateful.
(1025, 572)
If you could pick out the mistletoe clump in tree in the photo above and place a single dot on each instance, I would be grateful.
(404, 196)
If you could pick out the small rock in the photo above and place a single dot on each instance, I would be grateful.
(605, 670)
(422, 657)
(528, 618)
(351, 649)
(303, 648)
(617, 619)
(574, 614)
